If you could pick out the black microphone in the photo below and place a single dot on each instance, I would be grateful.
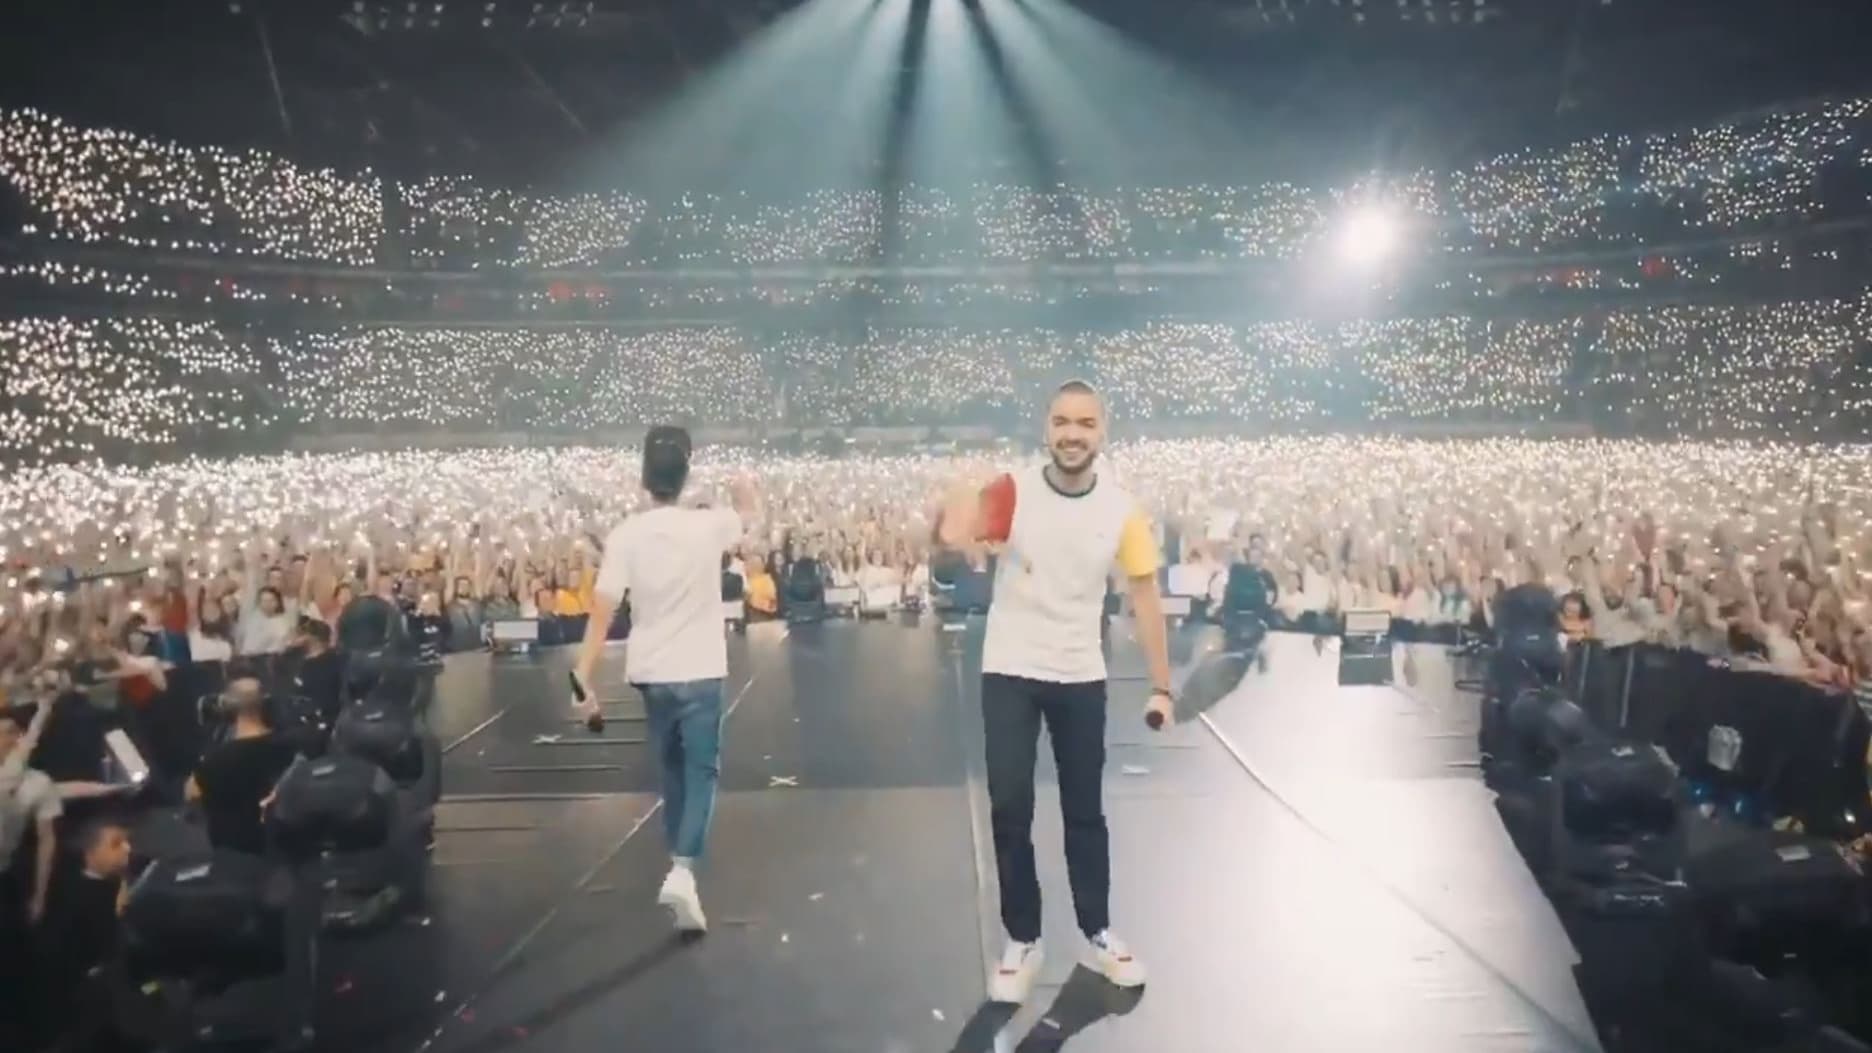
(594, 723)
(1154, 719)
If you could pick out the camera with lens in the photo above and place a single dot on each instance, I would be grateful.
(217, 711)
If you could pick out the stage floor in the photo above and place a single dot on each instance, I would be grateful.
(1306, 867)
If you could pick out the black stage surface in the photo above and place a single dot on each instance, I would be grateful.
(1306, 867)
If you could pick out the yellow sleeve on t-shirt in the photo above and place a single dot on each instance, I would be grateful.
(1137, 550)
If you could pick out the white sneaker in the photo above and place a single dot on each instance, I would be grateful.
(680, 899)
(1112, 958)
(1015, 974)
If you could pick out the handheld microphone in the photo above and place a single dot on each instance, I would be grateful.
(1154, 719)
(594, 723)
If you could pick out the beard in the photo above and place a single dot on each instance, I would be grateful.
(1072, 460)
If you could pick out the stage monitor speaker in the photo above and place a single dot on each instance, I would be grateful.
(1365, 648)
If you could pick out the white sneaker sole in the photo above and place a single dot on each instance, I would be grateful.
(685, 913)
(1015, 988)
(1125, 976)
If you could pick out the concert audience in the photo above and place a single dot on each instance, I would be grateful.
(118, 580)
(1746, 553)
(106, 187)
(1643, 542)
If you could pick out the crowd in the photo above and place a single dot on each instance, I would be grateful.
(1747, 551)
(122, 585)
(77, 388)
(101, 186)
(1800, 261)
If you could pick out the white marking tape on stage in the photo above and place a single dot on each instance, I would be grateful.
(519, 946)
(1576, 1039)
(476, 730)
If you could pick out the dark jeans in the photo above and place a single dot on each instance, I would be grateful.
(1013, 709)
(685, 729)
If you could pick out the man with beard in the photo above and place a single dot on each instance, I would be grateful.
(1060, 529)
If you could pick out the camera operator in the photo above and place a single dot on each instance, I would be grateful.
(1248, 596)
(238, 773)
(1527, 623)
(320, 673)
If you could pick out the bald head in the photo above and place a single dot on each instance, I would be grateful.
(245, 695)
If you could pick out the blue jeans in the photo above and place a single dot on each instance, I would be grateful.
(685, 723)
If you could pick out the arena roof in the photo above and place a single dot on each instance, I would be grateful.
(514, 89)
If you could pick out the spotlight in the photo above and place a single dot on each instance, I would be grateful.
(1369, 235)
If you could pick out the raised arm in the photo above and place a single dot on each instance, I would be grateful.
(971, 514)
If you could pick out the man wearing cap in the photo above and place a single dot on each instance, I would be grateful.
(667, 560)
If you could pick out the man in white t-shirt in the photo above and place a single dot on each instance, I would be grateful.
(1061, 528)
(667, 560)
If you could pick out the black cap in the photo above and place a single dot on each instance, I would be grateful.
(666, 461)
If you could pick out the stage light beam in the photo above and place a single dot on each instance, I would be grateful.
(1368, 236)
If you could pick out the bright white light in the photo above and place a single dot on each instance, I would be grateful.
(1369, 235)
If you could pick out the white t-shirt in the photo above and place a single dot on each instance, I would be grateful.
(27, 798)
(668, 562)
(877, 576)
(1191, 578)
(208, 648)
(258, 633)
(1050, 580)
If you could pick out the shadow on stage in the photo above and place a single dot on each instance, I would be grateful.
(513, 1032)
(1085, 999)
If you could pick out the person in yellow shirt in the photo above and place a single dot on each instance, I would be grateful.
(570, 602)
(763, 593)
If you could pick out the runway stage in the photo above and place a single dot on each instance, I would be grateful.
(1307, 868)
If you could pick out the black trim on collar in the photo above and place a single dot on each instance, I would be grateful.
(1046, 473)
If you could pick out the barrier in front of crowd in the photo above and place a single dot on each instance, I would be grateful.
(170, 732)
(1774, 746)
